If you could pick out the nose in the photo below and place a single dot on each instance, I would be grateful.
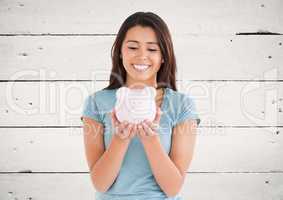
(142, 54)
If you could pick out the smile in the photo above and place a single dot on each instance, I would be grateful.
(141, 68)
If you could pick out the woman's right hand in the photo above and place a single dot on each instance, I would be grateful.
(124, 130)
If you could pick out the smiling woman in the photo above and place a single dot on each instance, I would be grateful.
(143, 42)
(138, 161)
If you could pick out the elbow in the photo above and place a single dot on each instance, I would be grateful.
(174, 191)
(98, 186)
(172, 194)
(100, 189)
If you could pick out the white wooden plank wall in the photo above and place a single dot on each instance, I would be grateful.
(229, 56)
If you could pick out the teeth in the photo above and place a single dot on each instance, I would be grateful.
(141, 67)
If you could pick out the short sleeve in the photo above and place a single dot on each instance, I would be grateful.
(186, 110)
(90, 109)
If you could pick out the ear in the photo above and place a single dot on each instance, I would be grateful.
(120, 92)
(152, 91)
(126, 91)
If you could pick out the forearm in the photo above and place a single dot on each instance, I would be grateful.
(163, 168)
(106, 169)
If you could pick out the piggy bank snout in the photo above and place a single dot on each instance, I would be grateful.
(136, 111)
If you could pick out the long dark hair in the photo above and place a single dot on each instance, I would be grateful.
(166, 76)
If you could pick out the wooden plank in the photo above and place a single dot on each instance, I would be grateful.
(218, 103)
(198, 57)
(242, 186)
(217, 150)
(191, 17)
(46, 186)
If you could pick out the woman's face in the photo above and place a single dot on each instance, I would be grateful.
(141, 56)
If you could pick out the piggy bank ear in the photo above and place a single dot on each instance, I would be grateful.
(152, 91)
(120, 92)
(126, 92)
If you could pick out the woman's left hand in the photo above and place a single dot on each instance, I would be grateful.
(148, 129)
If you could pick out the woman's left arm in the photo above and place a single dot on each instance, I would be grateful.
(170, 171)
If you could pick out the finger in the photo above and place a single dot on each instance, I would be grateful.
(131, 131)
(121, 134)
(114, 119)
(124, 128)
(114, 116)
(158, 115)
(116, 127)
(142, 133)
(147, 129)
(134, 131)
(119, 127)
(123, 124)
(152, 126)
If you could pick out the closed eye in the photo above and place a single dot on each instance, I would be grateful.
(136, 48)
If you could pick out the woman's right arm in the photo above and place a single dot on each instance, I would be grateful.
(104, 165)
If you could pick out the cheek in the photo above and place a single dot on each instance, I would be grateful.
(126, 53)
(126, 56)
(157, 64)
(157, 60)
(157, 57)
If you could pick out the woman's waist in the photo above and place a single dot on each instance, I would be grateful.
(137, 196)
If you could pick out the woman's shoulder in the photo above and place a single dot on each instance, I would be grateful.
(102, 100)
(103, 94)
(183, 107)
(177, 96)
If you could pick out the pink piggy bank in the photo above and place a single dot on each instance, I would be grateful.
(135, 105)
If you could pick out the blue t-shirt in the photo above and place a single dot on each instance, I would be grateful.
(135, 180)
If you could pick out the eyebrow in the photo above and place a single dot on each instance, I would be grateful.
(146, 42)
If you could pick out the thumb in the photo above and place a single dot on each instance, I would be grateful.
(158, 115)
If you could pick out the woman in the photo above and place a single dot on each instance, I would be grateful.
(137, 161)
